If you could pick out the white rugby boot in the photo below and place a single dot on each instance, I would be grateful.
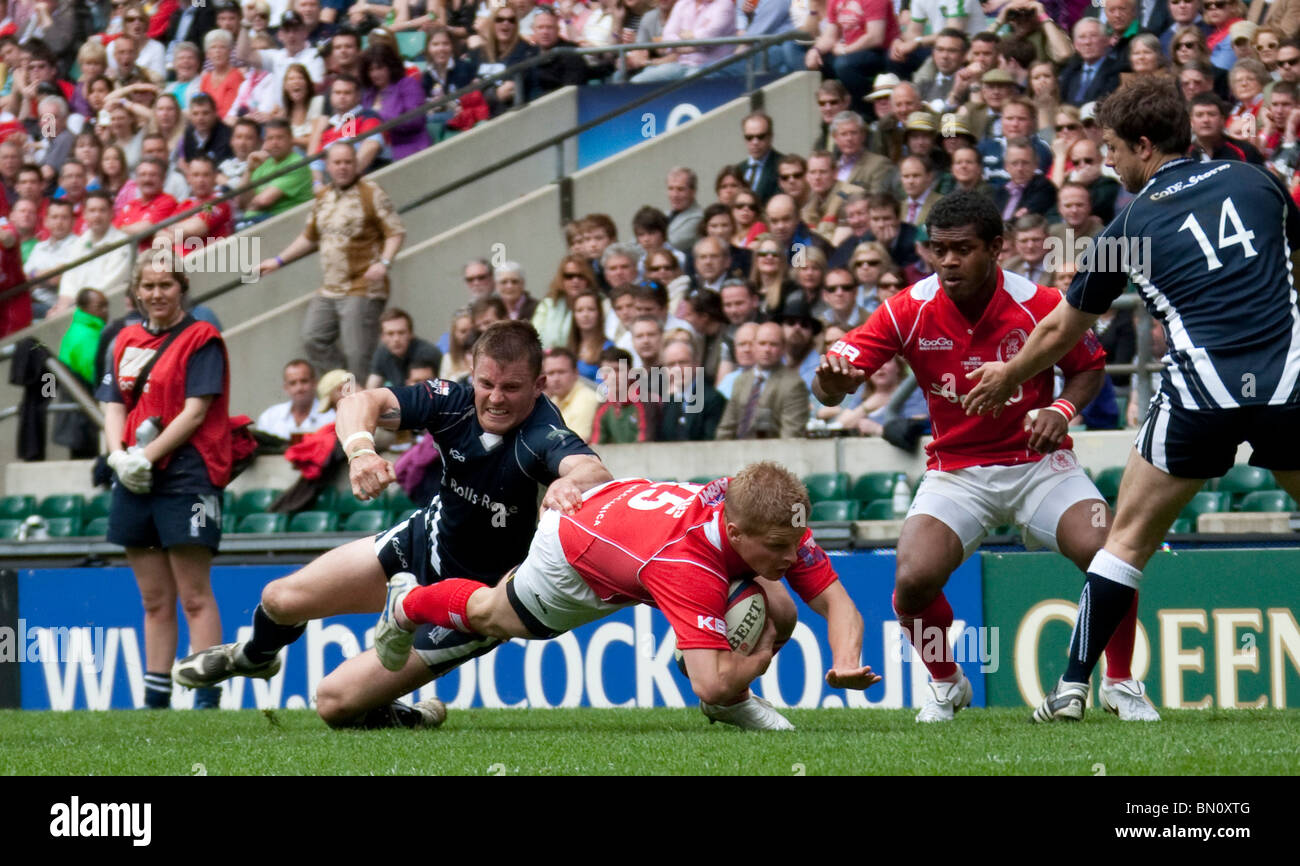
(944, 700)
(1128, 700)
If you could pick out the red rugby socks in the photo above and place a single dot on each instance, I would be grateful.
(928, 632)
(442, 603)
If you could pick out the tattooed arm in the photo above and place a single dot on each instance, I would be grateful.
(363, 412)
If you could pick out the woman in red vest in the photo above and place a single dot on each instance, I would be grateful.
(166, 419)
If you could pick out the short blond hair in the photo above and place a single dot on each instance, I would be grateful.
(766, 496)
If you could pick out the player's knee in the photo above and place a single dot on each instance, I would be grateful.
(278, 600)
(332, 704)
(915, 585)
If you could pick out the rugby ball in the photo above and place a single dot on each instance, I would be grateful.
(746, 616)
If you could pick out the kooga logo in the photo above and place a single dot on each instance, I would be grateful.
(133, 820)
(938, 344)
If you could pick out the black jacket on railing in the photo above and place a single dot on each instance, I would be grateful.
(560, 71)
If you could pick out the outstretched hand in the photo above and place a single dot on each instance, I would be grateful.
(860, 678)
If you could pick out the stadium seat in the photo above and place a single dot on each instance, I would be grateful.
(98, 505)
(410, 43)
(873, 486)
(825, 486)
(366, 521)
(1268, 500)
(229, 521)
(1107, 482)
(1243, 479)
(834, 509)
(327, 500)
(398, 501)
(702, 479)
(17, 507)
(255, 501)
(63, 527)
(263, 523)
(877, 509)
(1182, 526)
(69, 505)
(349, 504)
(312, 521)
(9, 529)
(96, 526)
(1205, 502)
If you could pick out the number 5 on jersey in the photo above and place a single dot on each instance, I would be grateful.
(1240, 234)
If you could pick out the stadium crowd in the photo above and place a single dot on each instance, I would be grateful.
(707, 318)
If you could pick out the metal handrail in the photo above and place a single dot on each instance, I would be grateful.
(513, 73)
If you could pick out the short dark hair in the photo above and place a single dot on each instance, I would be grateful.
(706, 302)
(491, 302)
(881, 200)
(1208, 98)
(954, 33)
(346, 78)
(28, 168)
(985, 36)
(615, 355)
(85, 296)
(202, 98)
(1153, 109)
(1288, 88)
(652, 290)
(966, 208)
(101, 194)
(792, 159)
(381, 54)
(397, 313)
(650, 219)
(510, 341)
(601, 222)
(203, 157)
(60, 202)
(248, 121)
(277, 123)
(562, 352)
(1019, 50)
(300, 362)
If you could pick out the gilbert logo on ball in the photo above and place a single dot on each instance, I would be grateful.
(746, 615)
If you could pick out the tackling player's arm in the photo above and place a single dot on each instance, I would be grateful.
(848, 363)
(1052, 338)
(722, 676)
(359, 415)
(578, 474)
(844, 628)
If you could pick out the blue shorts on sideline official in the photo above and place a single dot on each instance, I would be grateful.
(164, 520)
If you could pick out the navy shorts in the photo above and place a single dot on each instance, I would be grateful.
(1202, 443)
(164, 520)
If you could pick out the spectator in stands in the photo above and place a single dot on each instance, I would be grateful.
(1093, 72)
(745, 210)
(692, 19)
(826, 198)
(562, 70)
(81, 340)
(110, 271)
(149, 53)
(222, 80)
(857, 165)
(389, 92)
(624, 416)
(740, 304)
(344, 58)
(853, 43)
(204, 134)
(801, 327)
(576, 400)
(1031, 249)
(56, 250)
(916, 174)
(245, 139)
(618, 264)
(455, 364)
(684, 211)
(399, 351)
(869, 417)
(477, 276)
(299, 104)
(349, 120)
(792, 178)
(154, 147)
(281, 193)
(967, 172)
(1018, 121)
(23, 217)
(302, 412)
(719, 224)
(703, 312)
(166, 499)
(1026, 190)
(650, 228)
(769, 401)
(809, 275)
(152, 206)
(1075, 207)
(511, 289)
(72, 189)
(187, 65)
(553, 317)
(692, 407)
(771, 274)
(937, 76)
(1103, 191)
(358, 233)
(759, 168)
(649, 29)
(31, 187)
(214, 221)
(841, 297)
(785, 227)
(55, 144)
(1221, 17)
(502, 48)
(293, 36)
(832, 99)
(646, 340)
(1209, 139)
(870, 260)
(443, 75)
(92, 62)
(742, 358)
(318, 30)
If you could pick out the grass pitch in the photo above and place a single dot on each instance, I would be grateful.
(646, 742)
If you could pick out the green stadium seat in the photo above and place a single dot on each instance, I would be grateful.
(825, 486)
(264, 523)
(834, 509)
(873, 486)
(312, 521)
(229, 521)
(877, 509)
(96, 526)
(1182, 526)
(398, 501)
(98, 505)
(228, 501)
(328, 500)
(1268, 500)
(703, 479)
(63, 527)
(255, 501)
(69, 505)
(9, 529)
(1205, 502)
(1243, 479)
(410, 43)
(17, 507)
(1107, 482)
(366, 521)
(349, 504)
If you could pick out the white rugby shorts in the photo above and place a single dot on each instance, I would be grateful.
(549, 587)
(974, 501)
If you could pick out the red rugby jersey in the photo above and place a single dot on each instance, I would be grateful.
(665, 544)
(941, 345)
